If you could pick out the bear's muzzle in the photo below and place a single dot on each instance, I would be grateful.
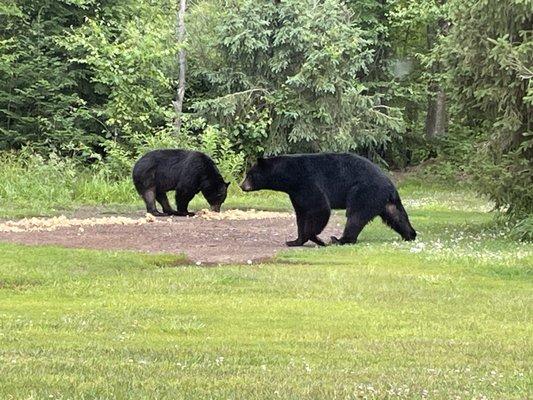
(246, 185)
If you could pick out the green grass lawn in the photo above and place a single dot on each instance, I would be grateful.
(446, 317)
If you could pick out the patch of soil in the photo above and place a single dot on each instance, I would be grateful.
(232, 236)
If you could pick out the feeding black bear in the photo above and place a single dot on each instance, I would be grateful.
(186, 172)
(317, 183)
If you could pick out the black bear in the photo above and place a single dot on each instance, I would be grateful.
(186, 172)
(317, 183)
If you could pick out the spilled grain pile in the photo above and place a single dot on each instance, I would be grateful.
(240, 215)
(54, 223)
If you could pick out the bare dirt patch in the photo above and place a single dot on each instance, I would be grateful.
(230, 236)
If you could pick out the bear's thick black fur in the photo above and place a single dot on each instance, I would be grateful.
(317, 183)
(186, 172)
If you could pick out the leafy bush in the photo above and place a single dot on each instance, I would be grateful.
(195, 135)
(38, 100)
(216, 144)
(128, 57)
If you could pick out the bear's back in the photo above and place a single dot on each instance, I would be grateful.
(338, 173)
(343, 167)
(166, 168)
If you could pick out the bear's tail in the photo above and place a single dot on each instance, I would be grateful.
(396, 217)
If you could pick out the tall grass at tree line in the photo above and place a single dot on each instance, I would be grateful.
(38, 184)
(32, 185)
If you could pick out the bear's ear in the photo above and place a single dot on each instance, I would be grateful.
(261, 161)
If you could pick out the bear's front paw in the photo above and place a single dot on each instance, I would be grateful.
(318, 241)
(158, 214)
(184, 214)
(294, 243)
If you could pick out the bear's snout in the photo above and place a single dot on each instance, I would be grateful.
(246, 185)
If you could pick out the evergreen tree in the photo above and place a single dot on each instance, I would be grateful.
(488, 54)
(299, 63)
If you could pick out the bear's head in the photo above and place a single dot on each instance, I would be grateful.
(267, 173)
(216, 195)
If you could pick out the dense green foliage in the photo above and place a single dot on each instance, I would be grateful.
(95, 80)
(76, 74)
(444, 318)
(39, 103)
(298, 65)
(488, 57)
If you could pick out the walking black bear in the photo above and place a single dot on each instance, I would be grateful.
(186, 172)
(317, 183)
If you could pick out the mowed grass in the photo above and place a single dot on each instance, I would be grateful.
(445, 317)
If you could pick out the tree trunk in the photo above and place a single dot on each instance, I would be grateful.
(180, 94)
(437, 117)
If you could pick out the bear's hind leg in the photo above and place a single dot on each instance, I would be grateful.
(396, 217)
(162, 199)
(149, 199)
(362, 206)
(354, 225)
